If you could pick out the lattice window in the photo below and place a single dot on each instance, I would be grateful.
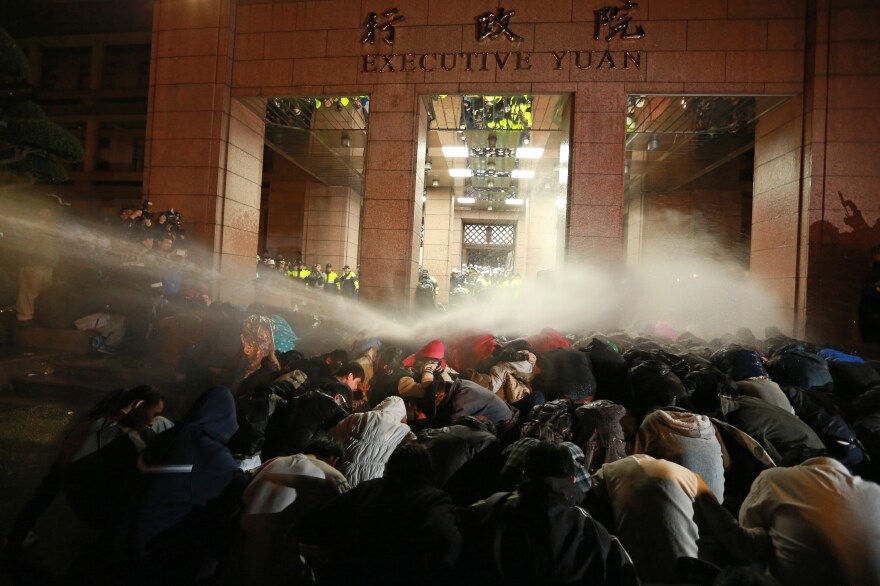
(490, 234)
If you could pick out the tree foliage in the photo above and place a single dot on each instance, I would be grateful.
(13, 64)
(31, 145)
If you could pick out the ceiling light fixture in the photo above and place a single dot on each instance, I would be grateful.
(346, 140)
(523, 173)
(428, 164)
(529, 153)
(461, 173)
(435, 182)
(527, 137)
(467, 200)
(654, 143)
(493, 140)
(455, 152)
(514, 201)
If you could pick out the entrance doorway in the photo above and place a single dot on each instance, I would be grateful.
(313, 170)
(689, 176)
(496, 177)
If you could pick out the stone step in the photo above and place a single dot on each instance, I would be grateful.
(54, 388)
(18, 362)
(50, 339)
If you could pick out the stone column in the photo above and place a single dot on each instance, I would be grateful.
(391, 218)
(595, 210)
(438, 235)
(204, 149)
(777, 242)
(331, 225)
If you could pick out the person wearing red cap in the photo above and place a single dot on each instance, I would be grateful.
(426, 364)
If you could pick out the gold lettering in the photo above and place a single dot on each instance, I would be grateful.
(369, 64)
(467, 61)
(637, 60)
(409, 60)
(387, 65)
(422, 65)
(443, 61)
(606, 56)
(501, 62)
(577, 59)
(559, 56)
(523, 60)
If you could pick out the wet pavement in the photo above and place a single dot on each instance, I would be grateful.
(35, 412)
(30, 429)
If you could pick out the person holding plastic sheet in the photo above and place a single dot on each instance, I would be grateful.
(179, 519)
(97, 463)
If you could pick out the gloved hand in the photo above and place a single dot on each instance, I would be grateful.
(431, 368)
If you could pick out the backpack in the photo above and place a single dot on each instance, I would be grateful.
(253, 411)
(551, 421)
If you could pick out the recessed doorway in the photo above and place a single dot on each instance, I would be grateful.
(496, 184)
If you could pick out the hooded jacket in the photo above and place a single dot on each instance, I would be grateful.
(274, 504)
(185, 467)
(653, 504)
(688, 440)
(370, 438)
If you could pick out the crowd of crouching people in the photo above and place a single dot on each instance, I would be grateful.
(481, 459)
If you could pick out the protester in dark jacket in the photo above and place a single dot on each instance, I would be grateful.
(396, 530)
(600, 433)
(184, 470)
(295, 423)
(388, 374)
(538, 535)
(739, 363)
(467, 398)
(777, 430)
(611, 372)
(797, 367)
(655, 385)
(466, 456)
(564, 372)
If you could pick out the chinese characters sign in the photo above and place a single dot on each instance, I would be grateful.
(609, 22)
(617, 21)
(390, 17)
(492, 25)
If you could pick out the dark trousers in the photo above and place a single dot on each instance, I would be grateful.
(42, 499)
